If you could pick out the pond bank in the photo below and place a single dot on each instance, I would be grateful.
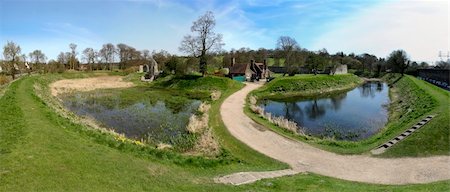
(307, 85)
(305, 158)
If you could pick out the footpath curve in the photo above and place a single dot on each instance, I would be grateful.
(305, 158)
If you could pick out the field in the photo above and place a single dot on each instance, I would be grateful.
(40, 150)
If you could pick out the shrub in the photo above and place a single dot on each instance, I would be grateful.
(4, 79)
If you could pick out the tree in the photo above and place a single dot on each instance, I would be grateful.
(399, 61)
(367, 61)
(379, 64)
(161, 58)
(204, 41)
(145, 54)
(423, 65)
(73, 55)
(36, 57)
(443, 65)
(89, 56)
(107, 53)
(11, 52)
(127, 53)
(287, 46)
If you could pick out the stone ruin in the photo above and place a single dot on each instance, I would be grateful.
(150, 69)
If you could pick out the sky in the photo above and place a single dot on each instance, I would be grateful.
(420, 27)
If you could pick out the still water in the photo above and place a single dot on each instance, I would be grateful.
(142, 119)
(352, 115)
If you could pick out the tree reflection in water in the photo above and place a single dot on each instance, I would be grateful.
(350, 112)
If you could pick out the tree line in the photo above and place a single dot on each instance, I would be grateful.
(204, 49)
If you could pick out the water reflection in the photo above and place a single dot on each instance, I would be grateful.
(353, 115)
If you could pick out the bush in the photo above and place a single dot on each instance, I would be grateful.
(4, 79)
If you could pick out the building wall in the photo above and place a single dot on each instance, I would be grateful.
(341, 69)
(248, 73)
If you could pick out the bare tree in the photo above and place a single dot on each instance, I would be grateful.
(73, 55)
(145, 54)
(36, 57)
(107, 53)
(287, 46)
(127, 54)
(89, 56)
(161, 58)
(204, 41)
(11, 52)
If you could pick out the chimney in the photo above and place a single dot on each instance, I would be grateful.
(252, 65)
(233, 61)
(265, 64)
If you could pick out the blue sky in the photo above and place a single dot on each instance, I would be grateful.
(378, 27)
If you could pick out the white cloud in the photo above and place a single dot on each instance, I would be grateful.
(421, 28)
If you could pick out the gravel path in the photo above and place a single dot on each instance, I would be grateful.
(305, 158)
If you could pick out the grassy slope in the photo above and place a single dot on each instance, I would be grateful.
(41, 151)
(416, 98)
(433, 138)
(306, 85)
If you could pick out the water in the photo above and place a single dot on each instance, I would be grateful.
(141, 119)
(353, 115)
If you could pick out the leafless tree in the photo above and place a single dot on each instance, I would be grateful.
(145, 54)
(37, 56)
(73, 55)
(89, 56)
(203, 41)
(161, 58)
(126, 54)
(107, 53)
(288, 46)
(11, 52)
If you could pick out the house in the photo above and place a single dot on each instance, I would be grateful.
(250, 71)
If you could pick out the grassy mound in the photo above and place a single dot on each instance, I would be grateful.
(307, 85)
(195, 82)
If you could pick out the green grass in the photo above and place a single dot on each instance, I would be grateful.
(306, 85)
(42, 151)
(422, 98)
(271, 61)
(412, 100)
(194, 82)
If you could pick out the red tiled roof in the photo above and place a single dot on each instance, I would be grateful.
(238, 68)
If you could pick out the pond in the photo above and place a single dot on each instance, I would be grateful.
(154, 117)
(352, 115)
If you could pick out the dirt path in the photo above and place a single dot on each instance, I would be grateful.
(88, 84)
(303, 157)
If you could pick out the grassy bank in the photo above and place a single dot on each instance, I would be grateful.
(43, 151)
(306, 85)
(169, 92)
(412, 100)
